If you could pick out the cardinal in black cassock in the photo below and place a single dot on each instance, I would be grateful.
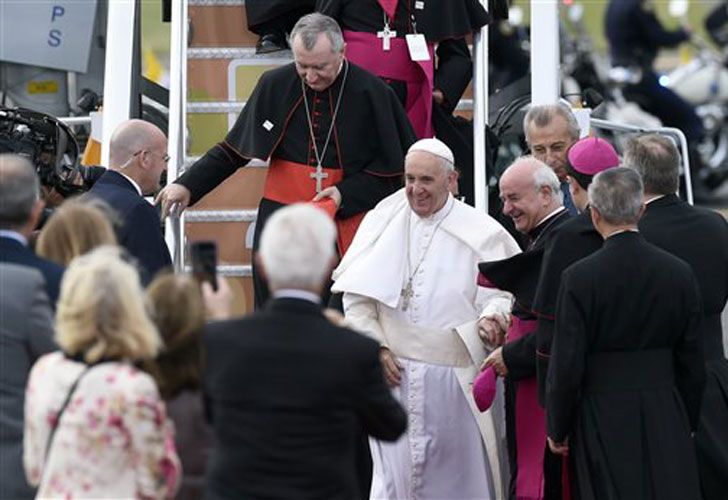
(360, 134)
(626, 372)
(699, 237)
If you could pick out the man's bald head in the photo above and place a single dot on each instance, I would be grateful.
(530, 191)
(130, 137)
(139, 150)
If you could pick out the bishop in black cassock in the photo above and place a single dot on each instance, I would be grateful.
(525, 432)
(699, 237)
(359, 130)
(577, 238)
(626, 373)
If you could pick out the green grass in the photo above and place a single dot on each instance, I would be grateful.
(155, 33)
(594, 16)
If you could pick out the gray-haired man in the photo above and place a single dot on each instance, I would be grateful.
(333, 132)
(626, 372)
(551, 129)
(699, 237)
(20, 211)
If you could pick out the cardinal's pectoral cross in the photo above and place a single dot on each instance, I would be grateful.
(319, 175)
(386, 35)
(407, 293)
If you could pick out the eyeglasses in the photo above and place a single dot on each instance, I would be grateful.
(165, 158)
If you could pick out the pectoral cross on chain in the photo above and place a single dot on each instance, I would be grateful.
(407, 293)
(319, 175)
(386, 35)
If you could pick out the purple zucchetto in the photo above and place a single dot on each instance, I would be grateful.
(591, 155)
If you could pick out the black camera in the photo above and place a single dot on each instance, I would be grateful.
(50, 146)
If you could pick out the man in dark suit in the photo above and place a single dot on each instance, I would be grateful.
(626, 375)
(289, 393)
(138, 156)
(26, 332)
(20, 211)
(700, 238)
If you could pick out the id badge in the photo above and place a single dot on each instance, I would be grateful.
(417, 47)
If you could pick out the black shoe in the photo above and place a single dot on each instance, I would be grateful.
(271, 42)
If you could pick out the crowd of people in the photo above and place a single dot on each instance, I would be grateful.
(405, 344)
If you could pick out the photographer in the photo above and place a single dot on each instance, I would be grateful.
(52, 149)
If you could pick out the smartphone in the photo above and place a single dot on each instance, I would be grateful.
(204, 262)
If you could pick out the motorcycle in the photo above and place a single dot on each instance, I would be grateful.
(703, 82)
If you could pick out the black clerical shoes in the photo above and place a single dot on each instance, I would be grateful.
(271, 42)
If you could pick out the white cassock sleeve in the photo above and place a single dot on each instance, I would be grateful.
(362, 315)
(492, 302)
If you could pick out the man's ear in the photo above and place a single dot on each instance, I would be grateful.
(145, 160)
(596, 217)
(548, 193)
(260, 267)
(452, 182)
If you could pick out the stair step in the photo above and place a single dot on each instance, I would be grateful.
(221, 215)
(230, 270)
(216, 3)
(282, 57)
(237, 107)
(254, 163)
(220, 52)
(215, 107)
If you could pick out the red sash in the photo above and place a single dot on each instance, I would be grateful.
(365, 50)
(288, 182)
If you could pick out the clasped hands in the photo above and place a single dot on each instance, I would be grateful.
(492, 331)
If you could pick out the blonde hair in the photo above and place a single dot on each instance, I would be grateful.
(74, 229)
(101, 311)
(179, 313)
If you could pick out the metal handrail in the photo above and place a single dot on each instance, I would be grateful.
(669, 131)
(480, 115)
(177, 122)
(75, 120)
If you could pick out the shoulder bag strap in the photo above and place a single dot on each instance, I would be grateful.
(62, 409)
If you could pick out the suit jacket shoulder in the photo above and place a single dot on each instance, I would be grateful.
(14, 252)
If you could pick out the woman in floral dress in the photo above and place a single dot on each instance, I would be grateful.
(112, 438)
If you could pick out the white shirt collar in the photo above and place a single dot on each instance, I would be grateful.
(654, 199)
(133, 182)
(551, 214)
(14, 235)
(620, 231)
(293, 293)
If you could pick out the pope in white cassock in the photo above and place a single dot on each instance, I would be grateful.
(409, 281)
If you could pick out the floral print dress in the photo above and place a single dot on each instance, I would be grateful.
(113, 439)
